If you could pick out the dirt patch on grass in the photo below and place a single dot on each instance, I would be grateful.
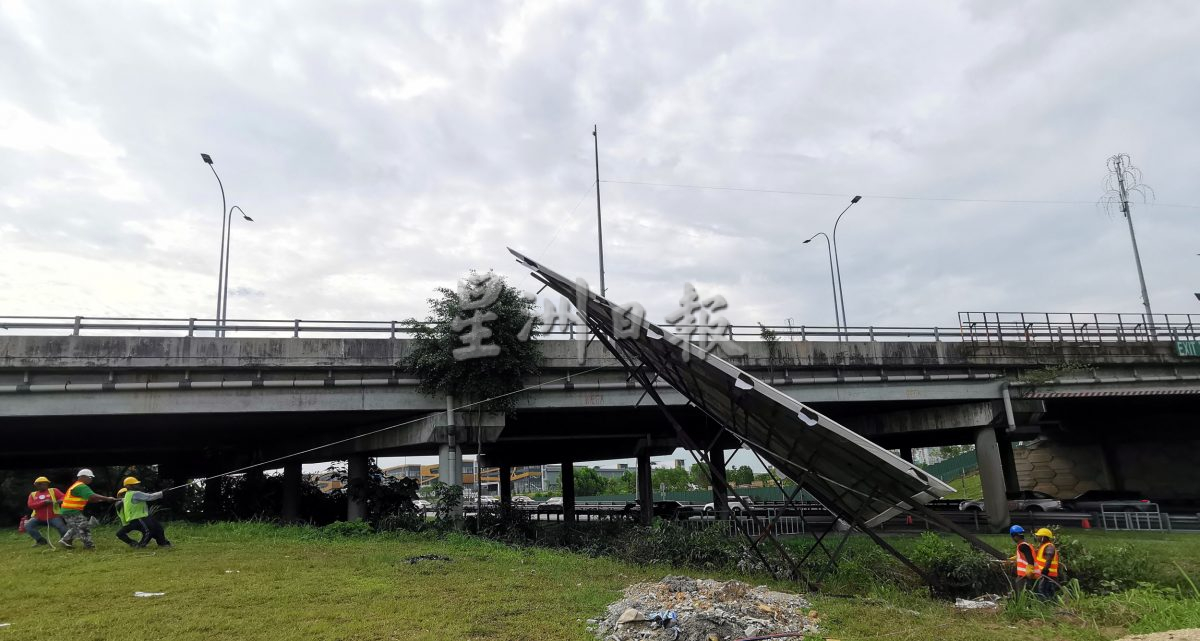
(1191, 634)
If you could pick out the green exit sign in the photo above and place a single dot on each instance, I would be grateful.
(1187, 348)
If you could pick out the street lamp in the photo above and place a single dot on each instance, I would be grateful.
(838, 263)
(836, 318)
(221, 262)
(228, 239)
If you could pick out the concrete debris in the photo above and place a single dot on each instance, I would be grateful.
(679, 608)
(412, 560)
(985, 602)
(629, 616)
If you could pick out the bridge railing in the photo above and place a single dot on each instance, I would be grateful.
(974, 327)
(1001, 327)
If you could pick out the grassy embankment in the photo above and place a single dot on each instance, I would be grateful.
(255, 581)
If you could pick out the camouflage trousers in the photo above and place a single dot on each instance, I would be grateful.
(78, 528)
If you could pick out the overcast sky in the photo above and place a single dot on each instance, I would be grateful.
(385, 149)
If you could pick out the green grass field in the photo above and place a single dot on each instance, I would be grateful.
(256, 581)
(966, 487)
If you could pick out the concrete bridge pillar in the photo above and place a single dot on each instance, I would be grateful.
(1008, 462)
(567, 478)
(645, 491)
(356, 509)
(505, 489)
(290, 510)
(907, 454)
(991, 476)
(716, 470)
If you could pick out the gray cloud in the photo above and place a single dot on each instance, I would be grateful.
(385, 149)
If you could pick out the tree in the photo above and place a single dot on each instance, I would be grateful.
(699, 474)
(383, 495)
(479, 377)
(675, 479)
(624, 484)
(588, 482)
(741, 475)
(950, 451)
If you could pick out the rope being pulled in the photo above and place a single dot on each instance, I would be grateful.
(262, 464)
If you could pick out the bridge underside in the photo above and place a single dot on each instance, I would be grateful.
(63, 403)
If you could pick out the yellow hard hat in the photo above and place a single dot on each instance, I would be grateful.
(41, 479)
(1044, 532)
(121, 491)
(129, 480)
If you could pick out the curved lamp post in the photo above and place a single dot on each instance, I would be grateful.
(228, 238)
(841, 292)
(221, 262)
(836, 318)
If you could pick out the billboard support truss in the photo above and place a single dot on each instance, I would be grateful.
(859, 483)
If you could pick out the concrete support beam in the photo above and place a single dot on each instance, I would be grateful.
(1112, 466)
(1009, 464)
(716, 471)
(356, 509)
(568, 491)
(907, 454)
(991, 476)
(505, 488)
(645, 493)
(290, 510)
(427, 432)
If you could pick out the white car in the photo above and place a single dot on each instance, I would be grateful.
(422, 505)
(735, 506)
(1023, 501)
(523, 501)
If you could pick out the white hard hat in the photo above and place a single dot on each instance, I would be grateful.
(85, 472)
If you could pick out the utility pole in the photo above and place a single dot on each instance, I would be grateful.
(1120, 166)
(599, 218)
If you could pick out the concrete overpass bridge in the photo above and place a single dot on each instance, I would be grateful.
(1109, 404)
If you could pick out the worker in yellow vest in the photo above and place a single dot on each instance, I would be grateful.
(119, 507)
(1025, 559)
(45, 502)
(136, 513)
(77, 498)
(1047, 568)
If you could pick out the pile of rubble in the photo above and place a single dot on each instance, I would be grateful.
(682, 609)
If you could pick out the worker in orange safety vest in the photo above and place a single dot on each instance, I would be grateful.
(1047, 565)
(1025, 560)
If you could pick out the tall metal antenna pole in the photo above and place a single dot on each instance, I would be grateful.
(1120, 171)
(599, 218)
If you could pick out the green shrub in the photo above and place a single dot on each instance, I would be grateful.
(956, 570)
(1104, 570)
(343, 529)
(665, 542)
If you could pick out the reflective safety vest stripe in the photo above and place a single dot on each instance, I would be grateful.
(1047, 567)
(1023, 568)
(72, 502)
(135, 511)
